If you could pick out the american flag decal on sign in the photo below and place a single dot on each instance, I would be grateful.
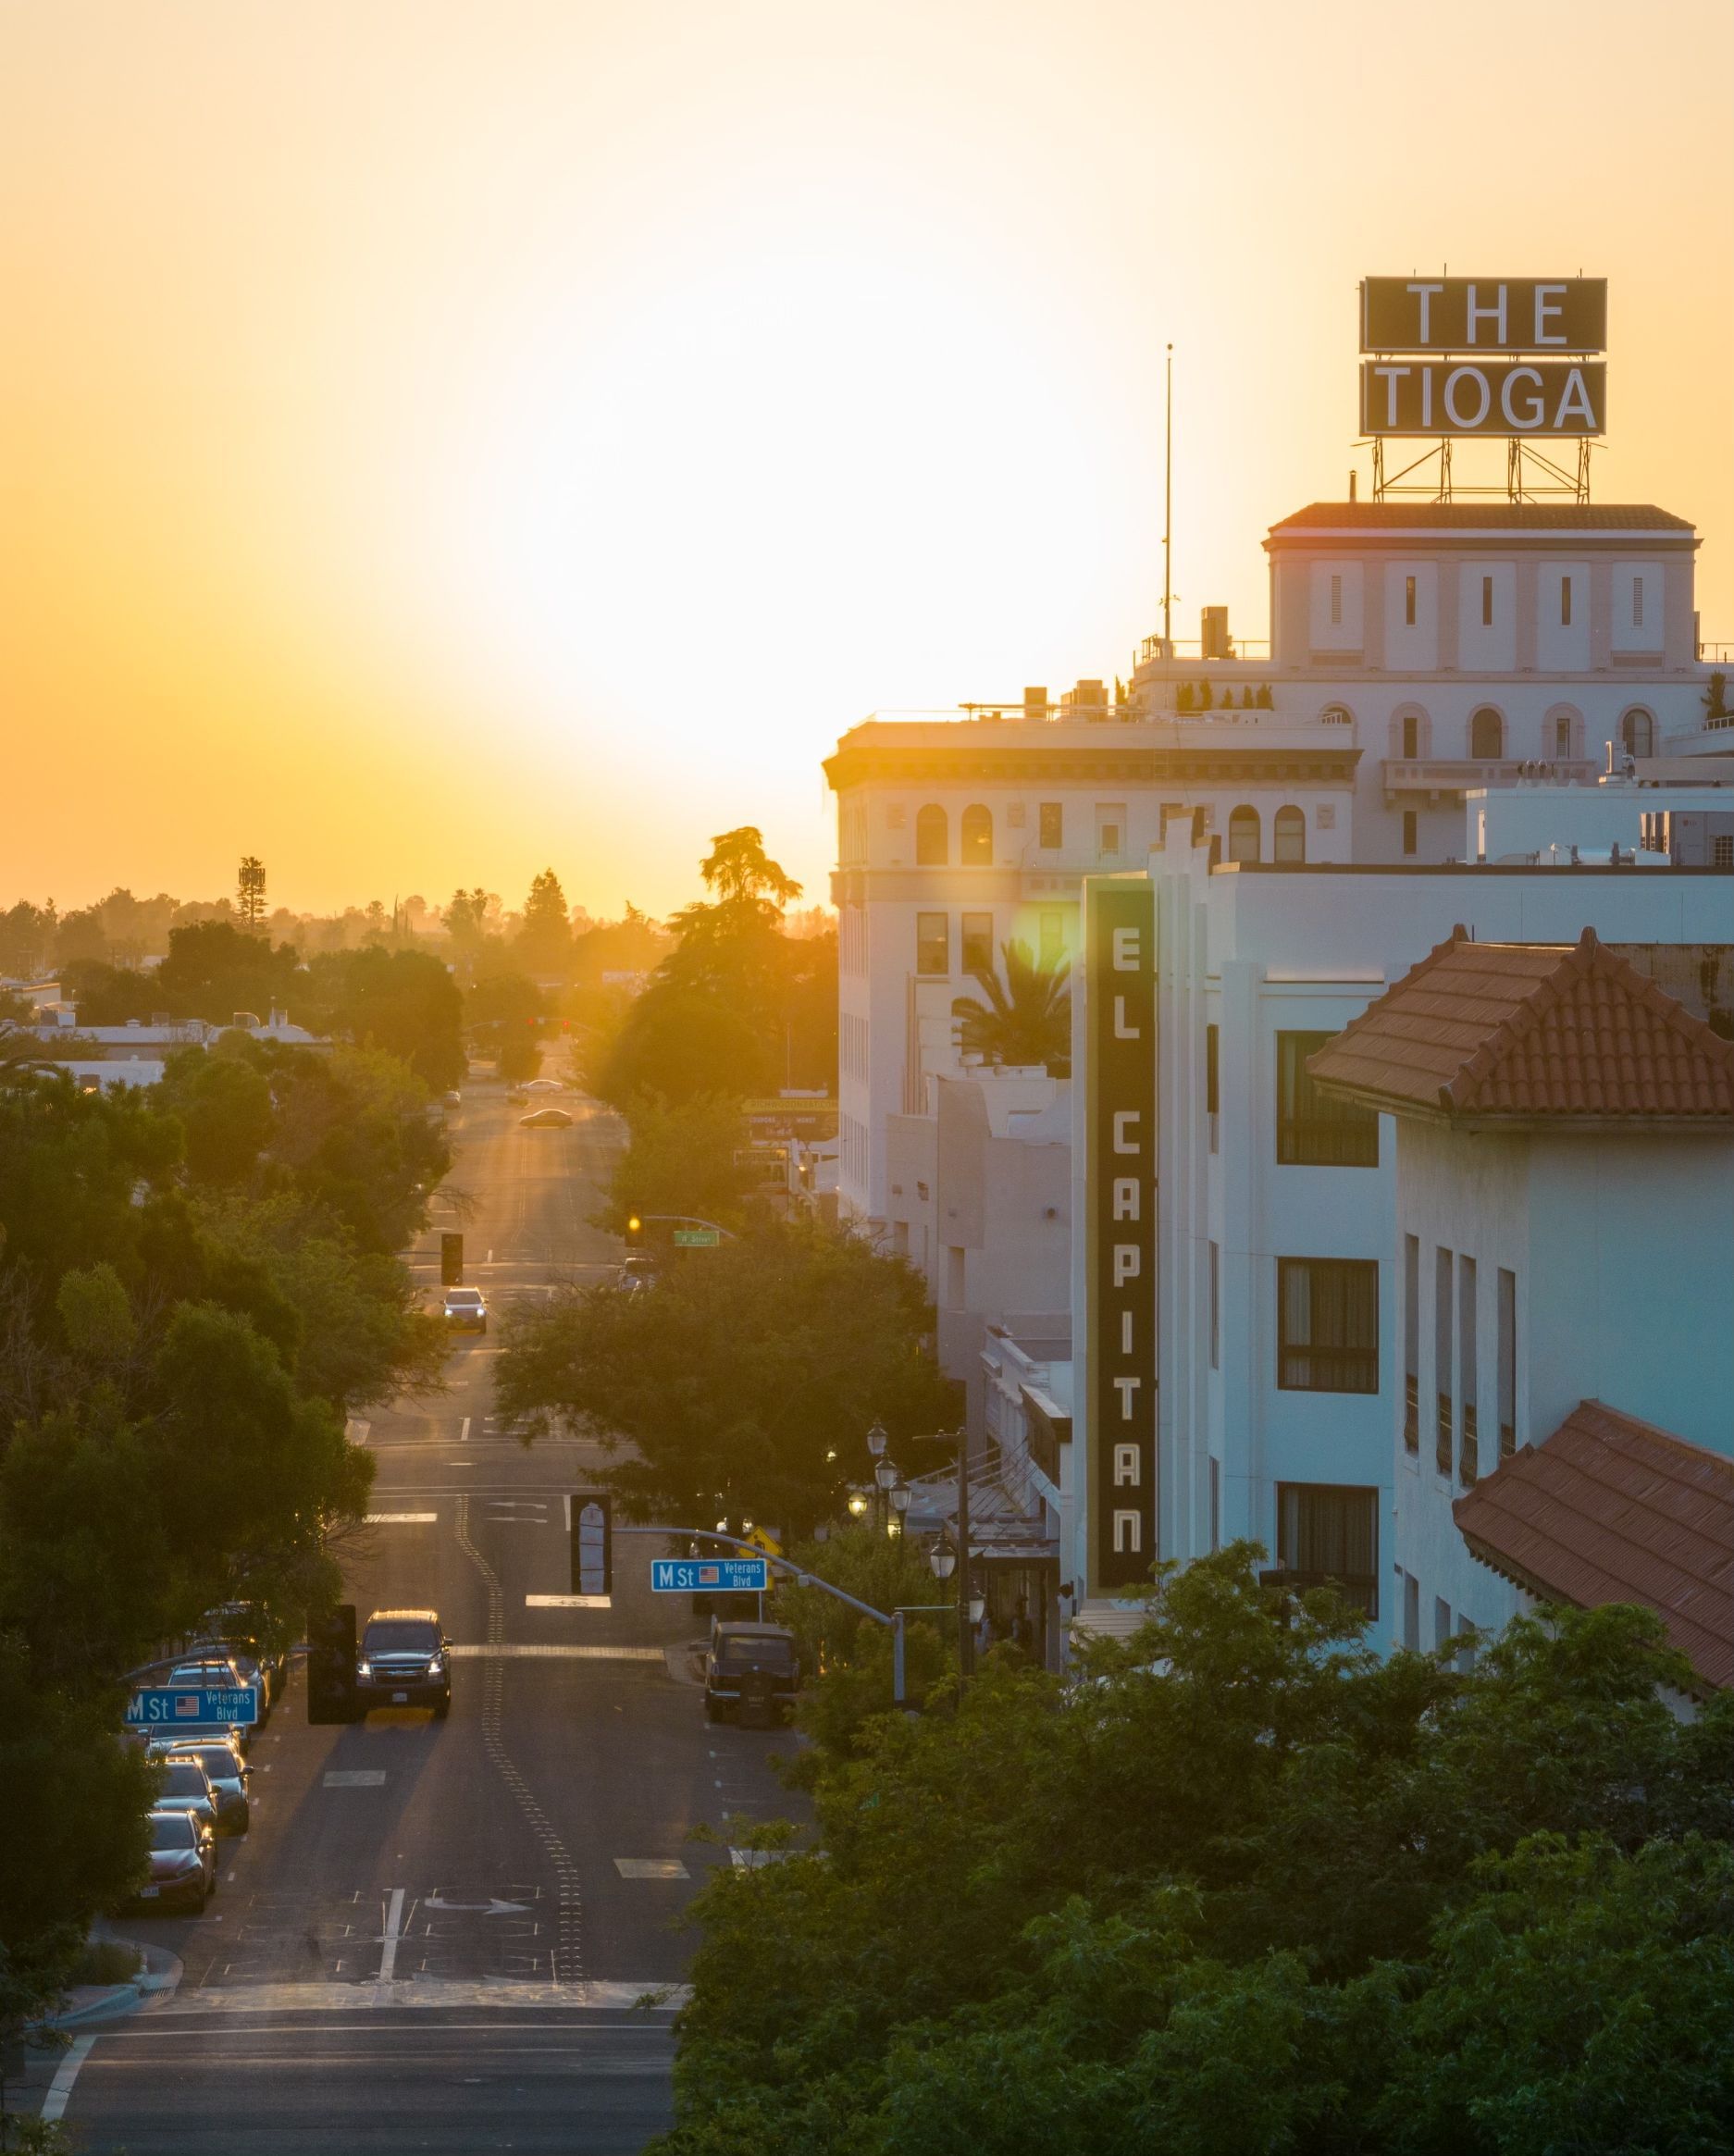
(187, 1710)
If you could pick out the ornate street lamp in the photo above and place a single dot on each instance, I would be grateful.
(877, 1441)
(885, 1473)
(943, 1557)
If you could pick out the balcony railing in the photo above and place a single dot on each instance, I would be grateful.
(1457, 774)
(1359, 1588)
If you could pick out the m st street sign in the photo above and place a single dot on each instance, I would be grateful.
(163, 1708)
(709, 1575)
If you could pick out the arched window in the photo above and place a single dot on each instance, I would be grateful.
(1243, 835)
(932, 841)
(1289, 834)
(975, 835)
(1487, 735)
(1637, 732)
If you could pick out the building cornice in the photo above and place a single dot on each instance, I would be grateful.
(1038, 761)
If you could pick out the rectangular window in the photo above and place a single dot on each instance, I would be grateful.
(1328, 1324)
(1216, 1502)
(1411, 831)
(1110, 829)
(1442, 1622)
(1411, 737)
(978, 942)
(1052, 821)
(1564, 603)
(1336, 602)
(1411, 1611)
(1445, 1443)
(1721, 851)
(933, 943)
(1328, 1534)
(1411, 1342)
(1487, 602)
(1312, 1130)
(1216, 1307)
(1469, 1458)
(1636, 603)
(1507, 1363)
(1408, 601)
(1051, 936)
(1562, 738)
(1212, 1081)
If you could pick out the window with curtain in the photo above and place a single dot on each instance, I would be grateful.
(1470, 1458)
(1243, 835)
(933, 944)
(1636, 734)
(1327, 1534)
(1328, 1324)
(1412, 1343)
(1446, 1435)
(932, 837)
(1507, 1357)
(978, 942)
(1312, 1130)
(976, 836)
(1051, 821)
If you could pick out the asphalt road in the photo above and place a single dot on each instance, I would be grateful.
(436, 1935)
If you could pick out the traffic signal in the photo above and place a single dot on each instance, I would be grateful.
(592, 1542)
(451, 1260)
(635, 1233)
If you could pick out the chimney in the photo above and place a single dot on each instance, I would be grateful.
(1354, 484)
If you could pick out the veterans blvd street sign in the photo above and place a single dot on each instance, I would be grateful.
(709, 1575)
(162, 1709)
(698, 1238)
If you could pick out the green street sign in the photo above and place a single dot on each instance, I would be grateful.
(697, 1238)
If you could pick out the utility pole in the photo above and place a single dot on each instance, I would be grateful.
(966, 1631)
(1168, 511)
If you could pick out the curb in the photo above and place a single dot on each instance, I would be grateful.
(159, 1977)
(686, 1661)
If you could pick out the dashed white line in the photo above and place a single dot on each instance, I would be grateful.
(464, 1433)
(364, 1778)
(401, 1519)
(393, 1925)
(651, 1867)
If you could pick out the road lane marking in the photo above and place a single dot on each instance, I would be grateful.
(393, 1925)
(355, 1778)
(651, 1867)
(60, 2088)
(214, 2001)
(513, 1651)
(570, 1601)
(464, 1433)
(401, 1519)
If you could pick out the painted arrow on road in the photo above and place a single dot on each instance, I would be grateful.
(492, 1908)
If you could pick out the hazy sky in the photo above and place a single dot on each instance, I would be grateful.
(443, 437)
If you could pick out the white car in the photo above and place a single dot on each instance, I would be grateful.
(545, 1085)
(464, 1311)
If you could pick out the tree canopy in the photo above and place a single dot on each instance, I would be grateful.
(1240, 1885)
(745, 1380)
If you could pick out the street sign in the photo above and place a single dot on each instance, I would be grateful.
(163, 1708)
(709, 1575)
(698, 1238)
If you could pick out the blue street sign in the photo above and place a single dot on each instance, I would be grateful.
(161, 1709)
(709, 1575)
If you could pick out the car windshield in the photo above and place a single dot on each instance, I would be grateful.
(468, 1297)
(183, 1777)
(401, 1638)
(172, 1830)
(777, 1654)
(217, 1761)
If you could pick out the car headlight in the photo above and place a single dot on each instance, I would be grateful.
(436, 1668)
(363, 1670)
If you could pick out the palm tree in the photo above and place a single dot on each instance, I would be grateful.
(1027, 1020)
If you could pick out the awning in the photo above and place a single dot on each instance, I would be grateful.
(1002, 1525)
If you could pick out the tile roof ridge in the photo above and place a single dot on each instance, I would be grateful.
(1602, 1420)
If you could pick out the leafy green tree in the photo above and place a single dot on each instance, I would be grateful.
(108, 995)
(680, 1045)
(1240, 1885)
(249, 893)
(544, 942)
(27, 939)
(213, 971)
(404, 1002)
(1025, 1021)
(745, 1380)
(682, 1160)
(224, 1105)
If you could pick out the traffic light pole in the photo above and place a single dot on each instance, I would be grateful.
(894, 1618)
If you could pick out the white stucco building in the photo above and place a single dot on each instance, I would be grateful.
(1279, 1285)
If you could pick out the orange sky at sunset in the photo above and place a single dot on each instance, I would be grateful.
(441, 439)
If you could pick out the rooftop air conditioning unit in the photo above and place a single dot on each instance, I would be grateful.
(1217, 643)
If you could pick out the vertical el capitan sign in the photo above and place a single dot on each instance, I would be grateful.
(1120, 1227)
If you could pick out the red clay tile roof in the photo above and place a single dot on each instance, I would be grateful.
(1444, 516)
(1509, 1032)
(1612, 1510)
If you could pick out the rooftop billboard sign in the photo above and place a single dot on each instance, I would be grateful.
(1485, 314)
(1499, 397)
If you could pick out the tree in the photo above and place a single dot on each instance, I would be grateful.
(213, 971)
(249, 893)
(224, 1109)
(681, 1159)
(1241, 1885)
(679, 1043)
(1027, 1020)
(402, 1002)
(746, 1379)
(1185, 698)
(544, 942)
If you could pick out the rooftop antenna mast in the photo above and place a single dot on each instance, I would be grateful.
(1167, 513)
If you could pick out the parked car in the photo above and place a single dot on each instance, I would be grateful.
(453, 1097)
(183, 1861)
(404, 1662)
(465, 1309)
(545, 1119)
(545, 1085)
(752, 1673)
(183, 1786)
(224, 1769)
(249, 1626)
(208, 1668)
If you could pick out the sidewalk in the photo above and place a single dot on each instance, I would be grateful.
(159, 1975)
